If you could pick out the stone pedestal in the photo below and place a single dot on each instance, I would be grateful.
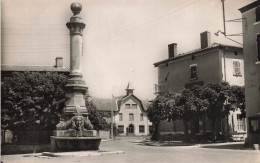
(75, 131)
(74, 143)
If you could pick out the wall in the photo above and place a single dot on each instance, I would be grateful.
(136, 112)
(208, 71)
(7, 149)
(227, 67)
(252, 70)
(104, 134)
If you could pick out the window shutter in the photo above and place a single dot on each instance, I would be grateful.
(236, 68)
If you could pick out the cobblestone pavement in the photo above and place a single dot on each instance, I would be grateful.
(137, 151)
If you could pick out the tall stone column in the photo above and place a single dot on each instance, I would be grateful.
(76, 87)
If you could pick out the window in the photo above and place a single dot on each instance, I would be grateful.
(134, 106)
(120, 129)
(236, 68)
(141, 129)
(240, 122)
(120, 117)
(131, 117)
(141, 117)
(127, 106)
(253, 125)
(193, 71)
(257, 14)
(258, 47)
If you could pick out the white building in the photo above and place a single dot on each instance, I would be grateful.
(129, 113)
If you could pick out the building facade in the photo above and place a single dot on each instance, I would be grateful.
(251, 43)
(129, 113)
(212, 63)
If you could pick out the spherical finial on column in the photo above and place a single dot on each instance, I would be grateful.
(76, 8)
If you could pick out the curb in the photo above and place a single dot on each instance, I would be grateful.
(80, 154)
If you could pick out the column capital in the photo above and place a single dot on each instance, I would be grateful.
(76, 25)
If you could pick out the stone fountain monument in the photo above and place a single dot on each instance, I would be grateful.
(75, 131)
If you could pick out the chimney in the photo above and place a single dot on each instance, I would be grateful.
(205, 40)
(172, 49)
(59, 62)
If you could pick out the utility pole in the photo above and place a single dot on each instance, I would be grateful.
(112, 119)
(224, 19)
(224, 24)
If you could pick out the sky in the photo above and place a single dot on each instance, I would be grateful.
(122, 38)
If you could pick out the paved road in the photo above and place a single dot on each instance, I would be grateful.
(136, 151)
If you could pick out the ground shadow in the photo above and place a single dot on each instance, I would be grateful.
(158, 143)
(229, 146)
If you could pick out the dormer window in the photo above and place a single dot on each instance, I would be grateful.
(134, 106)
(127, 106)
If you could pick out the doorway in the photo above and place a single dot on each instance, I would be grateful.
(131, 129)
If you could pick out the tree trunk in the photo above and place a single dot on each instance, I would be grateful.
(185, 130)
(204, 129)
(227, 128)
(197, 125)
(155, 135)
(213, 128)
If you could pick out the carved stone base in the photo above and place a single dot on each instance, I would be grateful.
(73, 133)
(59, 144)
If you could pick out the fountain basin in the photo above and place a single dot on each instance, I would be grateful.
(75, 143)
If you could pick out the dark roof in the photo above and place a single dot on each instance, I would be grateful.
(197, 51)
(104, 104)
(249, 6)
(145, 104)
(15, 68)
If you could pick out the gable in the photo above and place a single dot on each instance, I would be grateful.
(129, 101)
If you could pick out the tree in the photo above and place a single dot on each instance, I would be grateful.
(236, 98)
(196, 106)
(217, 95)
(98, 121)
(161, 109)
(192, 107)
(32, 100)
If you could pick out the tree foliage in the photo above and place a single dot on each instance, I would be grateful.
(162, 108)
(214, 101)
(32, 100)
(35, 100)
